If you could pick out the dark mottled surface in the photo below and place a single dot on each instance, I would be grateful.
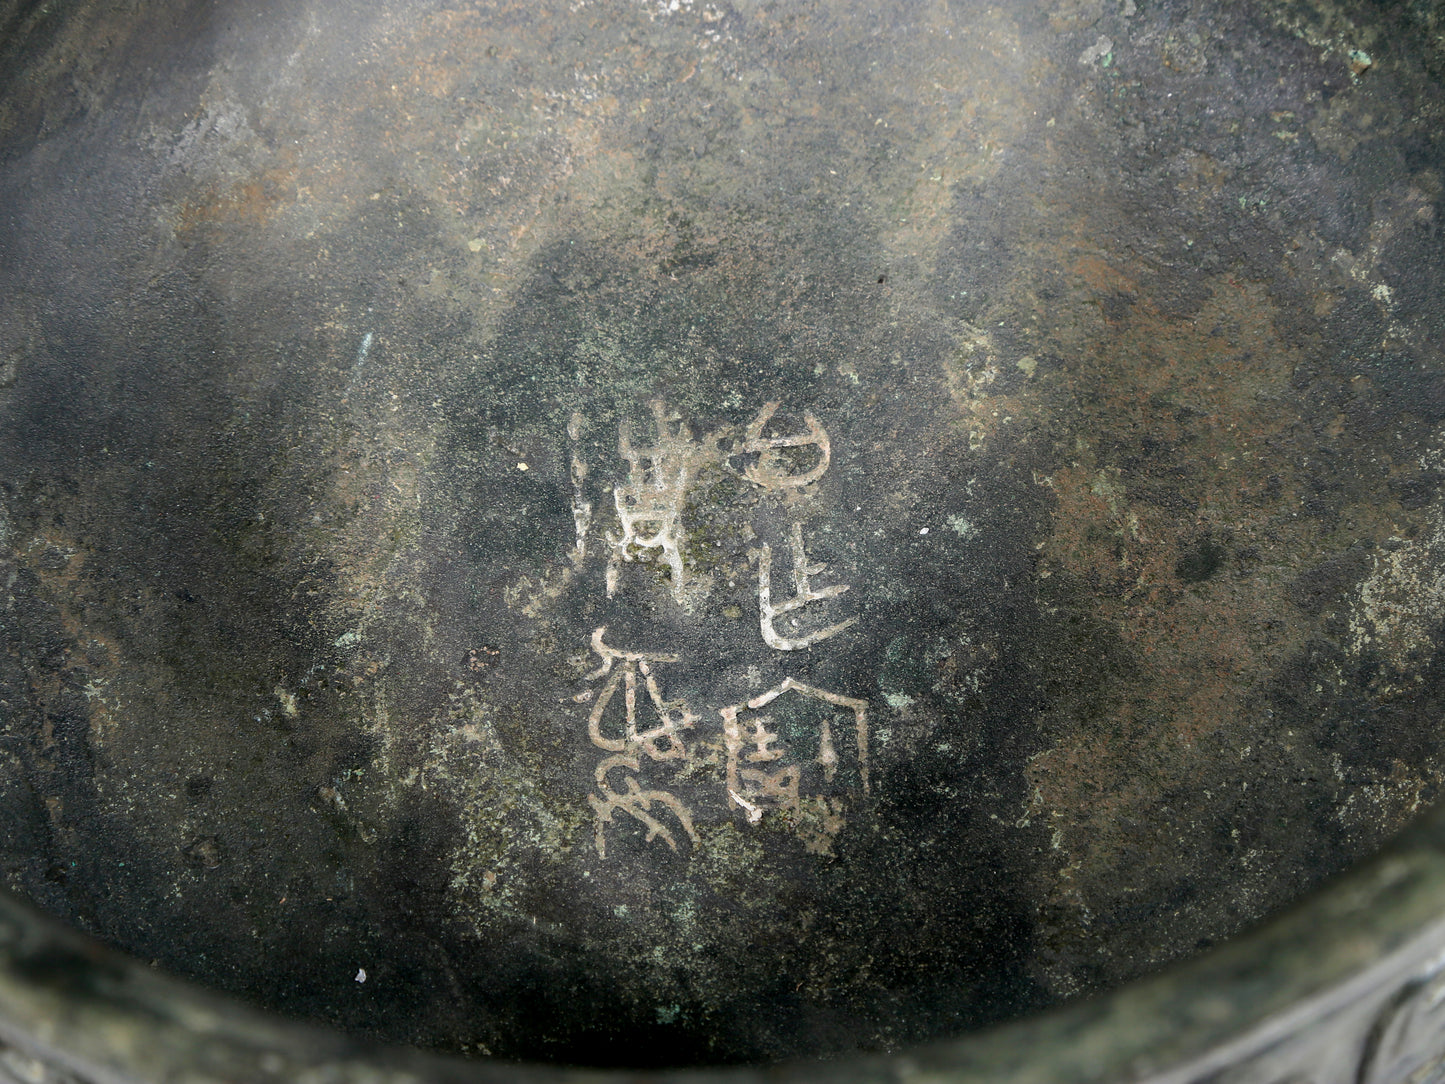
(1123, 320)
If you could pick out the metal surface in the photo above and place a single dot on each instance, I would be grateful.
(1345, 988)
(683, 534)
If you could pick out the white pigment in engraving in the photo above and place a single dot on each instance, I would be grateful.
(750, 744)
(771, 469)
(662, 742)
(803, 594)
(641, 733)
(649, 504)
(581, 508)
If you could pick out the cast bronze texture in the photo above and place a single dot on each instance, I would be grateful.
(687, 533)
